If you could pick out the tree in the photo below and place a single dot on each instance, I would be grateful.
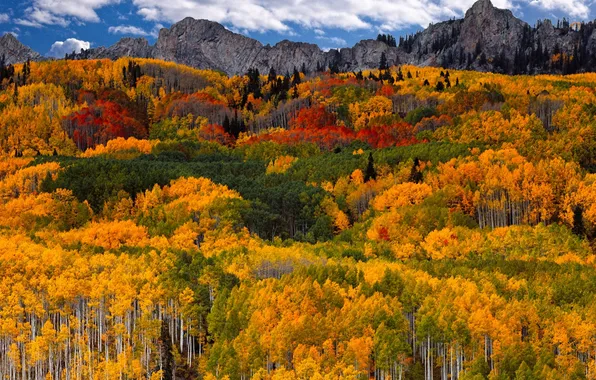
(370, 172)
(578, 221)
(272, 77)
(165, 352)
(415, 173)
(383, 65)
(296, 80)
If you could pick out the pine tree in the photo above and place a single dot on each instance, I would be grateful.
(254, 83)
(370, 173)
(415, 173)
(383, 62)
(272, 77)
(578, 221)
(296, 78)
(165, 352)
(226, 125)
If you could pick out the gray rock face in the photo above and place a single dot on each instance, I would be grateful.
(207, 45)
(126, 47)
(14, 51)
(486, 39)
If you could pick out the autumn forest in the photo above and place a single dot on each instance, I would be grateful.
(163, 222)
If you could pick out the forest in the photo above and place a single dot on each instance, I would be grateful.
(163, 222)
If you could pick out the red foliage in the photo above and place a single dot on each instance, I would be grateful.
(101, 122)
(198, 104)
(384, 136)
(86, 97)
(387, 91)
(383, 233)
(216, 133)
(326, 138)
(316, 125)
(314, 117)
(328, 82)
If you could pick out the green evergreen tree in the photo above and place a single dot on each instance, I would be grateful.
(370, 173)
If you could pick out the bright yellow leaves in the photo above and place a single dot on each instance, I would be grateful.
(340, 219)
(59, 210)
(33, 124)
(40, 283)
(108, 235)
(281, 164)
(451, 243)
(401, 195)
(9, 165)
(27, 180)
(122, 148)
(509, 189)
(362, 113)
(582, 200)
(494, 129)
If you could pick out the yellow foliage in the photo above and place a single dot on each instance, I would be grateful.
(108, 235)
(27, 180)
(401, 195)
(281, 164)
(122, 148)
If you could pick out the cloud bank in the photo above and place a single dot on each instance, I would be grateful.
(281, 16)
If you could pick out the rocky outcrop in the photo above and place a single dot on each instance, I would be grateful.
(15, 52)
(486, 39)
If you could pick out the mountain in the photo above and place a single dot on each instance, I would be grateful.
(13, 51)
(126, 47)
(486, 39)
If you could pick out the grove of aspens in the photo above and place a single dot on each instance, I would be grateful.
(163, 222)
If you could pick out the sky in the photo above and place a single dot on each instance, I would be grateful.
(56, 27)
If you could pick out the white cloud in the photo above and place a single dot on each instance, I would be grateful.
(275, 15)
(15, 34)
(62, 12)
(572, 8)
(334, 40)
(4, 18)
(281, 16)
(132, 30)
(127, 29)
(60, 48)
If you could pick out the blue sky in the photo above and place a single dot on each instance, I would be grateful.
(53, 27)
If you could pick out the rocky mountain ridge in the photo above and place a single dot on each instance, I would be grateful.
(486, 39)
(14, 51)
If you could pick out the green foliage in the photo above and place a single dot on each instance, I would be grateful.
(413, 117)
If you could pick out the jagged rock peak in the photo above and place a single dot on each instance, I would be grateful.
(14, 51)
(481, 7)
(486, 9)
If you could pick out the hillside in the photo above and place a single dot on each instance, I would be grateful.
(486, 39)
(160, 221)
